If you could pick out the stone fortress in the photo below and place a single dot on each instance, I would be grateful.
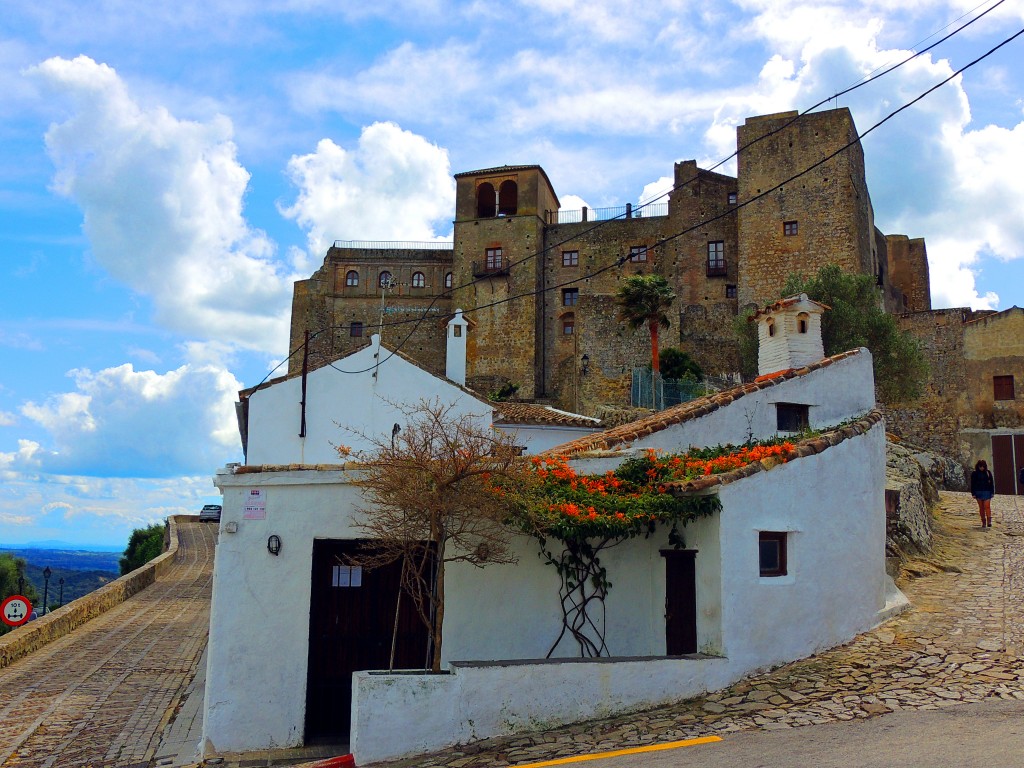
(538, 283)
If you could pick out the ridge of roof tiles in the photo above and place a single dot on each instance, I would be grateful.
(533, 413)
(808, 447)
(678, 414)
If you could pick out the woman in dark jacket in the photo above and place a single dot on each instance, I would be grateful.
(983, 488)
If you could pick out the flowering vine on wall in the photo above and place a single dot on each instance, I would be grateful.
(587, 514)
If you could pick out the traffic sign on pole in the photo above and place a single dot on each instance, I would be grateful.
(15, 610)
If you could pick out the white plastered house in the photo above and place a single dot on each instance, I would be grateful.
(294, 635)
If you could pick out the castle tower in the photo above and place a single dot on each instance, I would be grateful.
(499, 235)
(789, 334)
(822, 217)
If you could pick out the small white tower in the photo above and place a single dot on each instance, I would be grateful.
(789, 334)
(455, 364)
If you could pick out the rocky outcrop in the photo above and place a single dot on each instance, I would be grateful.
(913, 480)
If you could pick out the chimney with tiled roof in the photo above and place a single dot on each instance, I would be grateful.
(455, 365)
(789, 334)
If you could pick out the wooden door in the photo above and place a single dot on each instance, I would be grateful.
(1007, 459)
(680, 601)
(351, 622)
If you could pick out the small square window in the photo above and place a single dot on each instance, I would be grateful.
(568, 324)
(732, 198)
(346, 576)
(638, 253)
(730, 291)
(790, 228)
(772, 553)
(570, 258)
(355, 329)
(792, 417)
(1003, 387)
(570, 296)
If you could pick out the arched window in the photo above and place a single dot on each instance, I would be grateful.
(803, 322)
(508, 198)
(386, 280)
(568, 324)
(418, 280)
(485, 200)
(771, 326)
(448, 280)
(352, 279)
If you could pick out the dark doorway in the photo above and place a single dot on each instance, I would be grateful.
(680, 601)
(351, 621)
(1007, 459)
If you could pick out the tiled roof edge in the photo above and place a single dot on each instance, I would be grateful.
(251, 469)
(808, 447)
(684, 412)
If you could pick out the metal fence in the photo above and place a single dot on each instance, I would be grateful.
(385, 245)
(650, 390)
(627, 211)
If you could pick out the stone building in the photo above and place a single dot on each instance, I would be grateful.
(538, 283)
(973, 402)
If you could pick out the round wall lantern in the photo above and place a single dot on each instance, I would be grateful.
(274, 544)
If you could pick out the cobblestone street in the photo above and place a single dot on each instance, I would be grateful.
(101, 696)
(958, 643)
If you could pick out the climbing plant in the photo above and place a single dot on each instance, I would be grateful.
(576, 518)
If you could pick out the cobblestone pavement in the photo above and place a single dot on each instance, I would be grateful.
(958, 643)
(100, 696)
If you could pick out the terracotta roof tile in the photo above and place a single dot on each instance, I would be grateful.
(626, 433)
(805, 448)
(532, 413)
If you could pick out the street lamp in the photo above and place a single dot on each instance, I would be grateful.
(47, 573)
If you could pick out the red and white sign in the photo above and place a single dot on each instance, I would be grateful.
(15, 610)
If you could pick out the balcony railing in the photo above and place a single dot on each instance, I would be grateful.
(482, 269)
(403, 245)
(717, 269)
(627, 211)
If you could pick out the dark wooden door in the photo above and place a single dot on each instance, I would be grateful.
(1007, 459)
(680, 601)
(351, 621)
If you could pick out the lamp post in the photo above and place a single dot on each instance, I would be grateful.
(61, 582)
(47, 573)
(21, 585)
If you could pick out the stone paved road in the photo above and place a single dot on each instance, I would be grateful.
(959, 643)
(100, 696)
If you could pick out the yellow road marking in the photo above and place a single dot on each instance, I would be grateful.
(621, 752)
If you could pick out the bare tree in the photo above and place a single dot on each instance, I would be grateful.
(433, 493)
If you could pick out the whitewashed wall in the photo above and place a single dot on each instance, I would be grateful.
(832, 506)
(539, 438)
(362, 400)
(839, 392)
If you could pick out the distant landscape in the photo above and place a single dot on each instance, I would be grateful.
(83, 571)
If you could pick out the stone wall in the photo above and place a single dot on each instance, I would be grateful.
(829, 206)
(908, 272)
(34, 635)
(934, 420)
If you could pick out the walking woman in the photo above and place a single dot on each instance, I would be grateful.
(983, 488)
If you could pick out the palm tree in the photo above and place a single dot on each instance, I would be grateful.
(644, 299)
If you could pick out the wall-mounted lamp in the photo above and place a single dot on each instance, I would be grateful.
(394, 433)
(274, 544)
(584, 363)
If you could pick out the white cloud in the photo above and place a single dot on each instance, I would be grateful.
(128, 423)
(7, 419)
(394, 185)
(162, 200)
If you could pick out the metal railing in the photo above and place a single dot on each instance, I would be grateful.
(627, 211)
(395, 245)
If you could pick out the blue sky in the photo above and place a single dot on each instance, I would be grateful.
(167, 171)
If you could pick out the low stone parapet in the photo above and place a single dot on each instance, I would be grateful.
(29, 637)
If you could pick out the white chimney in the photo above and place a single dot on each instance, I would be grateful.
(789, 334)
(455, 366)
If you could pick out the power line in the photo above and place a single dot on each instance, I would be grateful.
(740, 204)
